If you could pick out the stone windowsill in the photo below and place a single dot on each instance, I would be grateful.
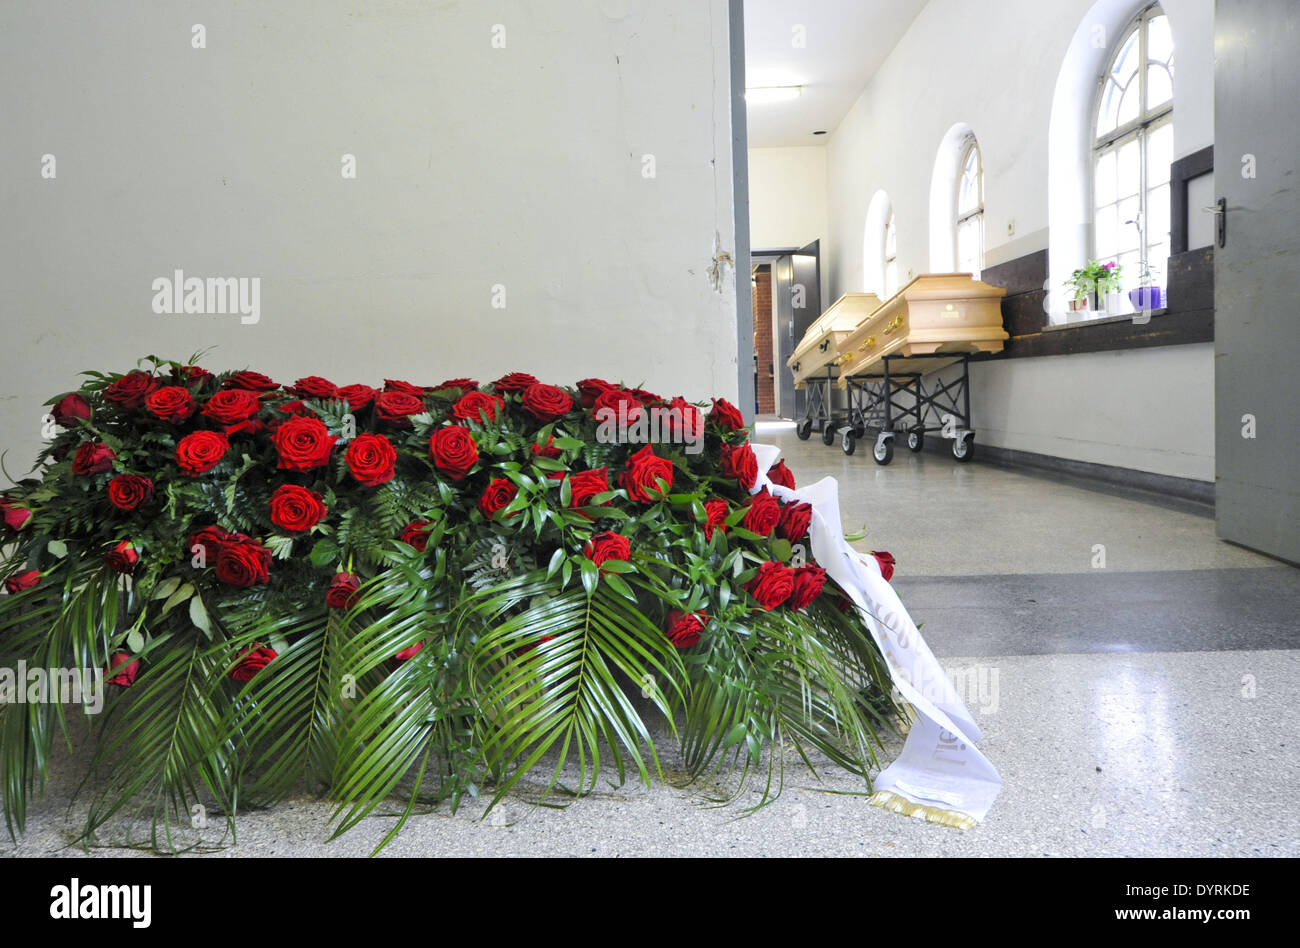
(1100, 321)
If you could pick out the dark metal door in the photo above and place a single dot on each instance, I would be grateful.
(1257, 274)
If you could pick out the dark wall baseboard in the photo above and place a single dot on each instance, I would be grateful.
(1179, 493)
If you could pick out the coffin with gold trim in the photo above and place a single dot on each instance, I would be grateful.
(820, 346)
(944, 315)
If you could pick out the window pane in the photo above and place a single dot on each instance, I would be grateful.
(1105, 181)
(1129, 169)
(891, 239)
(1160, 86)
(891, 278)
(1107, 238)
(1129, 106)
(1126, 221)
(1160, 152)
(1157, 223)
(1108, 110)
(969, 239)
(1158, 260)
(1160, 41)
(1131, 264)
(1126, 63)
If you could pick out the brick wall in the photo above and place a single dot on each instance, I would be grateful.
(763, 340)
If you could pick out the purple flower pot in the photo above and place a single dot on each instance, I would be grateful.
(1146, 297)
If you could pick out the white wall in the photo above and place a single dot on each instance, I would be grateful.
(995, 66)
(1143, 409)
(787, 197)
(476, 165)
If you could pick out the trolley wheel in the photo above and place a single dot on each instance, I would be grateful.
(828, 434)
(803, 430)
(963, 448)
(883, 452)
(849, 441)
(859, 429)
(915, 440)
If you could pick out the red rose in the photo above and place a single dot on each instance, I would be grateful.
(453, 450)
(547, 450)
(474, 405)
(231, 406)
(808, 583)
(795, 519)
(93, 457)
(886, 561)
(201, 451)
(644, 470)
(22, 581)
(685, 423)
(191, 376)
(773, 584)
(397, 407)
(397, 385)
(416, 533)
(647, 398)
(254, 426)
(70, 408)
(498, 495)
(371, 459)
(726, 415)
(616, 406)
(172, 403)
(243, 562)
(683, 629)
(585, 485)
(125, 668)
(129, 491)
(763, 513)
(591, 389)
(715, 515)
(122, 557)
(546, 402)
(342, 591)
(251, 661)
(131, 389)
(313, 386)
(297, 407)
(465, 385)
(295, 508)
(780, 474)
(406, 654)
(607, 546)
(740, 464)
(15, 517)
(303, 443)
(514, 382)
(358, 396)
(251, 381)
(211, 540)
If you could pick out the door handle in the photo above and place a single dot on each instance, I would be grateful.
(1220, 210)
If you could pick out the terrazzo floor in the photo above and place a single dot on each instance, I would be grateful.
(1140, 704)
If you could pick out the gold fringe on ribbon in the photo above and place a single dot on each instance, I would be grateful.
(893, 802)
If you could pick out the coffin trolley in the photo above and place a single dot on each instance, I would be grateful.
(816, 359)
(935, 321)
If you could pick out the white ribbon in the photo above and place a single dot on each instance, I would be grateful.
(940, 775)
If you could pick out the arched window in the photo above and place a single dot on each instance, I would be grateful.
(890, 244)
(1132, 149)
(970, 210)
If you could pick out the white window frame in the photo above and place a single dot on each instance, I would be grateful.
(889, 262)
(1136, 129)
(970, 144)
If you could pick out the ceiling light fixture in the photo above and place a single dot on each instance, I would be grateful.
(773, 93)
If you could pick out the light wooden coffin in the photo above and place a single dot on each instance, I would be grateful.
(938, 314)
(820, 346)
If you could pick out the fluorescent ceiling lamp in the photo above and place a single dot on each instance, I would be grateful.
(773, 93)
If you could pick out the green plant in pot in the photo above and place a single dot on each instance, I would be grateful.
(1145, 296)
(1095, 279)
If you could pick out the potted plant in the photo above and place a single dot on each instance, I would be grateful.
(1099, 279)
(1145, 296)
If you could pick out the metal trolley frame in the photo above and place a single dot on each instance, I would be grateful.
(892, 402)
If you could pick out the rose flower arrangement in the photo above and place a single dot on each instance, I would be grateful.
(414, 590)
